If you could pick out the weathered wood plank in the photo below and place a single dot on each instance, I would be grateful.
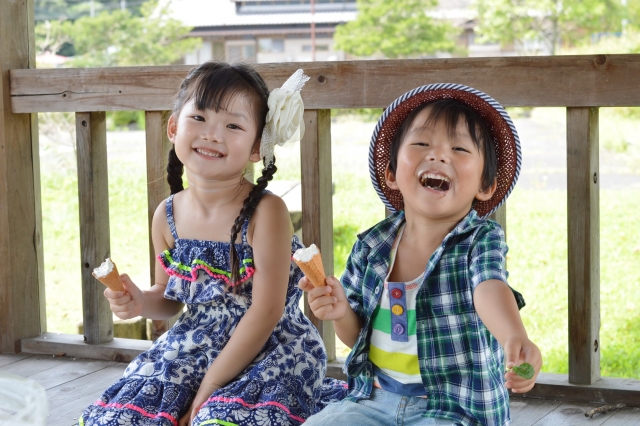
(607, 390)
(68, 369)
(625, 417)
(72, 345)
(93, 195)
(525, 412)
(157, 148)
(583, 214)
(33, 365)
(512, 81)
(67, 401)
(6, 359)
(20, 220)
(317, 204)
(572, 414)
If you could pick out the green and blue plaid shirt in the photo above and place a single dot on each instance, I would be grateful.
(461, 363)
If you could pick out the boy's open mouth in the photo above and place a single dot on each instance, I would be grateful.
(435, 181)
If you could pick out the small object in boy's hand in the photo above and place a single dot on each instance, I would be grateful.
(107, 274)
(523, 370)
(309, 261)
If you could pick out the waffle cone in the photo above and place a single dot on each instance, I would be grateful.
(313, 270)
(112, 279)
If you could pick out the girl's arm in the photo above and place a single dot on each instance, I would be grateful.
(147, 303)
(497, 308)
(271, 242)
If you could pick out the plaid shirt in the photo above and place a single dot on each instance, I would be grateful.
(461, 363)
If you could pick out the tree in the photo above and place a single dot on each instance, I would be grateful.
(398, 28)
(118, 38)
(550, 21)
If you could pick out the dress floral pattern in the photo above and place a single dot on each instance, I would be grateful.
(284, 384)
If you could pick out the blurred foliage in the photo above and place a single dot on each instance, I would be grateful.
(395, 29)
(61, 10)
(119, 37)
(552, 22)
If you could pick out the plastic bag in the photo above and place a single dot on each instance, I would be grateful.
(22, 402)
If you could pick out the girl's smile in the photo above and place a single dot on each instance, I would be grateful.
(215, 146)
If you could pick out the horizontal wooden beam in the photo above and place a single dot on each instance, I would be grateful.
(73, 345)
(543, 81)
(607, 390)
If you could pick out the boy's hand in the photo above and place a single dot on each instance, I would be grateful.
(128, 304)
(328, 302)
(518, 351)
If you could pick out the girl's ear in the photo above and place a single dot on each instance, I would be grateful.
(172, 128)
(255, 153)
(486, 194)
(390, 178)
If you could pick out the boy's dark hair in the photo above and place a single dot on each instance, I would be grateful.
(450, 111)
(212, 85)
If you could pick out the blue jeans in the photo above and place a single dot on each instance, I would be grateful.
(382, 408)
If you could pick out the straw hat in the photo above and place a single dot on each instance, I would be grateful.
(505, 136)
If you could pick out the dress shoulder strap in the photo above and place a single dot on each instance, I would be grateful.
(169, 210)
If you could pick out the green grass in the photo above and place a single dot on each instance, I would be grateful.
(537, 260)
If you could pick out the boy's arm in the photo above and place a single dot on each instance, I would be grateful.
(497, 308)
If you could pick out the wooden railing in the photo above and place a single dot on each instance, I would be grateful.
(579, 83)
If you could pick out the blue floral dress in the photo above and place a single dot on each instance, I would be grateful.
(284, 384)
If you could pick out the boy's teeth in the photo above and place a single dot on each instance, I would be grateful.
(208, 153)
(435, 181)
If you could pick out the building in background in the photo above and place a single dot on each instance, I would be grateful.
(287, 30)
(264, 30)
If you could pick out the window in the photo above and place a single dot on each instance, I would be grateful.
(319, 48)
(241, 52)
(271, 45)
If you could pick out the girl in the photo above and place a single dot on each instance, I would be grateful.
(242, 352)
(424, 302)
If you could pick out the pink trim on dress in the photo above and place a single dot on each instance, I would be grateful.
(194, 273)
(139, 410)
(246, 404)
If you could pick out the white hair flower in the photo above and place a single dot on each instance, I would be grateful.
(285, 117)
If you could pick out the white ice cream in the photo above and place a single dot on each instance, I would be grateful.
(306, 254)
(104, 269)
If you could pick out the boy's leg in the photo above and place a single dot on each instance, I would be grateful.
(379, 410)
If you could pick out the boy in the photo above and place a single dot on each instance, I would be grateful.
(424, 302)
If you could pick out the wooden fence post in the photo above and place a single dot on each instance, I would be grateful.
(158, 146)
(583, 217)
(317, 204)
(22, 306)
(93, 197)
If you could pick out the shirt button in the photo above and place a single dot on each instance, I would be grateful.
(396, 293)
(397, 310)
(398, 329)
(377, 290)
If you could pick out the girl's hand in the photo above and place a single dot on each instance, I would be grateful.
(127, 304)
(328, 302)
(517, 351)
(204, 392)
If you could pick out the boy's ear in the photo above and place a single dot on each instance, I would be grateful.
(255, 153)
(172, 129)
(390, 178)
(486, 194)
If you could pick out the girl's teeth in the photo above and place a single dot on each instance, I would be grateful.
(208, 153)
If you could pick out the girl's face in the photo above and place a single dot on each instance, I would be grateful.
(438, 176)
(215, 146)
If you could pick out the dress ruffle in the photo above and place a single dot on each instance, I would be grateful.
(186, 260)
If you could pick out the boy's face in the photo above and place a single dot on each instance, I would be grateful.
(438, 176)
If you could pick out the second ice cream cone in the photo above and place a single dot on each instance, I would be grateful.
(313, 270)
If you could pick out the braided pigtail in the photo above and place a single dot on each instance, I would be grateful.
(174, 172)
(248, 207)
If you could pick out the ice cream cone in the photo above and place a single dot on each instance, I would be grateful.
(313, 270)
(110, 279)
